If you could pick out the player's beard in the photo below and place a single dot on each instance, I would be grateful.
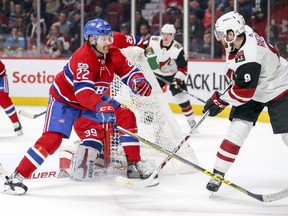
(105, 49)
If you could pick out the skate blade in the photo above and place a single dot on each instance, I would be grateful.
(211, 194)
(17, 190)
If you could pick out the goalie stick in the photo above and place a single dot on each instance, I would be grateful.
(31, 115)
(260, 197)
(130, 183)
(183, 90)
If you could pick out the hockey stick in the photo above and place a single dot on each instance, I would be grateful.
(30, 115)
(181, 89)
(261, 197)
(130, 183)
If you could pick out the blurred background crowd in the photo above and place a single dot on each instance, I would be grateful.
(58, 26)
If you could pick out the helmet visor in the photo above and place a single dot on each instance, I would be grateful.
(104, 39)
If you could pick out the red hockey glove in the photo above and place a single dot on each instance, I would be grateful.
(141, 86)
(214, 104)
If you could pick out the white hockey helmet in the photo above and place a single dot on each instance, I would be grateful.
(229, 21)
(168, 28)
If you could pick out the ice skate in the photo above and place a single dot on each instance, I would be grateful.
(214, 184)
(139, 169)
(18, 128)
(14, 184)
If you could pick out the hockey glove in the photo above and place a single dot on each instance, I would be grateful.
(176, 83)
(214, 104)
(141, 86)
(105, 112)
(178, 79)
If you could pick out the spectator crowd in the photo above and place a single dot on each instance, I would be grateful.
(60, 24)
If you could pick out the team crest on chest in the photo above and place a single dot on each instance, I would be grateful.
(240, 57)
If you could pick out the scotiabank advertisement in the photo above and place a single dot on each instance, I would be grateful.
(31, 78)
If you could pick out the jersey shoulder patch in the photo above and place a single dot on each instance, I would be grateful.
(155, 38)
(240, 57)
(177, 45)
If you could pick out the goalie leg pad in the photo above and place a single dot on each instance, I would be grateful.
(83, 161)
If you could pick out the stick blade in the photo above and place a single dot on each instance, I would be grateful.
(275, 196)
(135, 184)
(26, 114)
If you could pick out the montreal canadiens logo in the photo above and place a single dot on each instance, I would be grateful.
(93, 24)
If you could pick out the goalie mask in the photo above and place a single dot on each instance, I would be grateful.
(231, 21)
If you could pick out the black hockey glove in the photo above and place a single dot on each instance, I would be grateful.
(214, 104)
(176, 83)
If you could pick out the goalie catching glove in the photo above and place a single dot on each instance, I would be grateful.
(214, 104)
(141, 86)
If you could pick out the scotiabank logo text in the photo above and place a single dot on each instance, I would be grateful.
(39, 77)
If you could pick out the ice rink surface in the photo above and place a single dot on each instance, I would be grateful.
(261, 167)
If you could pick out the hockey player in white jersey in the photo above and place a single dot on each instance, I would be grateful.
(171, 65)
(259, 79)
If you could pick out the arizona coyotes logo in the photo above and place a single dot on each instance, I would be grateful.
(240, 57)
(165, 63)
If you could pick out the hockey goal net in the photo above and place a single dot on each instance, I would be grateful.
(155, 120)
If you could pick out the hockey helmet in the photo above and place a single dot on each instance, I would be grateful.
(229, 21)
(95, 28)
(168, 28)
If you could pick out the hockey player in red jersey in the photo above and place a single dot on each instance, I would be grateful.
(259, 79)
(123, 41)
(80, 92)
(173, 67)
(6, 102)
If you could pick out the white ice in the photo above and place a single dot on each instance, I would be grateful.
(261, 167)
